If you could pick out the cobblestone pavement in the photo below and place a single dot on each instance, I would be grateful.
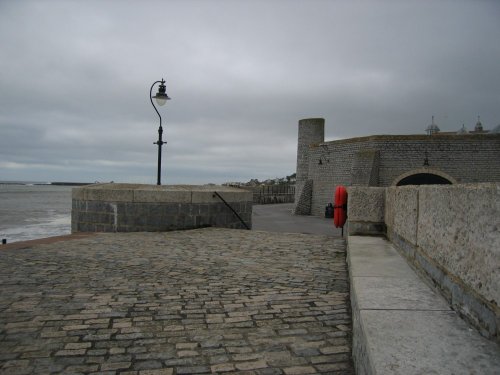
(200, 301)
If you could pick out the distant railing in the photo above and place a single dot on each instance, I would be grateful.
(270, 194)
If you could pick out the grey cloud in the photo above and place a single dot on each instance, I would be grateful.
(75, 80)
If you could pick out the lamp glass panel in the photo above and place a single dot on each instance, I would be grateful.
(160, 100)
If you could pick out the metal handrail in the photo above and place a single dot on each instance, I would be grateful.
(232, 209)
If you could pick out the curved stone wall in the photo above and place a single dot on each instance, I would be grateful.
(151, 208)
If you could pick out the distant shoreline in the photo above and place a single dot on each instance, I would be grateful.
(71, 183)
(56, 183)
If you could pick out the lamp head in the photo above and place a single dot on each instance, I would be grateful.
(161, 96)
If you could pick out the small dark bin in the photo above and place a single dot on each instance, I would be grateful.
(329, 211)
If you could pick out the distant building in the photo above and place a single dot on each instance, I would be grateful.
(479, 127)
(462, 130)
(385, 160)
(432, 128)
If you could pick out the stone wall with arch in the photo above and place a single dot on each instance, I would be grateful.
(425, 171)
(379, 160)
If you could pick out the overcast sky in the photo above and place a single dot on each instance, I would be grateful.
(75, 79)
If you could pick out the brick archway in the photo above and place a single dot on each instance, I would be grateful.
(424, 176)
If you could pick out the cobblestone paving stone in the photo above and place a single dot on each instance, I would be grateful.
(191, 302)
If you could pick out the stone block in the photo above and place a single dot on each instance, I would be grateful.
(436, 336)
(126, 228)
(215, 208)
(170, 209)
(403, 293)
(125, 219)
(140, 220)
(458, 228)
(228, 196)
(204, 197)
(204, 209)
(75, 204)
(98, 227)
(162, 196)
(109, 195)
(91, 206)
(105, 218)
(78, 193)
(85, 227)
(366, 204)
(153, 210)
(402, 212)
(86, 217)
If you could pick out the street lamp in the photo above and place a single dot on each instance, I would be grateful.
(161, 98)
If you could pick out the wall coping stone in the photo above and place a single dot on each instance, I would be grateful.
(413, 137)
(122, 192)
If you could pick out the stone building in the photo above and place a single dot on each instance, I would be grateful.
(389, 160)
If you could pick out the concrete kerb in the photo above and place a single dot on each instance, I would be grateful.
(401, 326)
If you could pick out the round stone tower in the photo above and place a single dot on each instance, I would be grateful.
(311, 131)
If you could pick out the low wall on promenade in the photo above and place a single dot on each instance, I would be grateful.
(449, 233)
(365, 210)
(272, 194)
(137, 208)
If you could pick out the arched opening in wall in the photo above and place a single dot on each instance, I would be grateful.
(424, 176)
(423, 179)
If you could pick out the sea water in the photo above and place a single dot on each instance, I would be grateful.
(29, 211)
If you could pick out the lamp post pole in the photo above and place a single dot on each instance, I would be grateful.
(161, 98)
(159, 143)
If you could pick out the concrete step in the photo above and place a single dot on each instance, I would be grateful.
(401, 325)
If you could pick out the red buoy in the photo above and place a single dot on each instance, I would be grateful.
(340, 207)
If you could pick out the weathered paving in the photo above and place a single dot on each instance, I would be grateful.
(200, 301)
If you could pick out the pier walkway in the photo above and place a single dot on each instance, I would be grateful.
(188, 302)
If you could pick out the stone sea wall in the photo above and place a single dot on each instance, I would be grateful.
(137, 208)
(450, 233)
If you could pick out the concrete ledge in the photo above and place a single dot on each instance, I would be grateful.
(401, 325)
(467, 302)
